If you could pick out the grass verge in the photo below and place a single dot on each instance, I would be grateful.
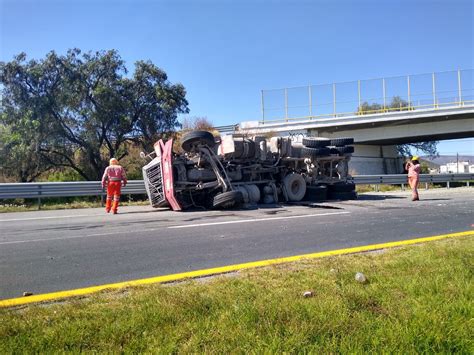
(418, 299)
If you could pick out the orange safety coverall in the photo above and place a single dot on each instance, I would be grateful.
(114, 178)
(413, 179)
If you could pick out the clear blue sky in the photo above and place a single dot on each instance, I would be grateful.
(224, 52)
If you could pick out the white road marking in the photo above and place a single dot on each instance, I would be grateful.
(256, 220)
(170, 227)
(39, 218)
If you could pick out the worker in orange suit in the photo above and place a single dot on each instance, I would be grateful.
(114, 178)
(414, 170)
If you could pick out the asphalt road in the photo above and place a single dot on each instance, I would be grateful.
(49, 251)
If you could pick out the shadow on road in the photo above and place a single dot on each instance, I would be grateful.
(435, 199)
(368, 197)
(150, 211)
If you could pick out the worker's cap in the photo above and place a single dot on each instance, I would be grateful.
(415, 157)
(113, 161)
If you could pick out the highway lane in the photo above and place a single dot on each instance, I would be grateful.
(48, 251)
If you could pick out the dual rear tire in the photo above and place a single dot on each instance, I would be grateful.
(315, 147)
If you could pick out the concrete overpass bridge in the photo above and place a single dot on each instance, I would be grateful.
(378, 113)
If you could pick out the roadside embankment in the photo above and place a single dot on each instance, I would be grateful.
(417, 299)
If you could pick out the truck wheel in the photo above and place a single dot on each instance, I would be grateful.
(295, 187)
(193, 139)
(334, 150)
(315, 152)
(340, 142)
(228, 199)
(316, 142)
(339, 195)
(345, 150)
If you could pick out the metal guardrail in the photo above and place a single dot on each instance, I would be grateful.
(398, 179)
(135, 187)
(64, 189)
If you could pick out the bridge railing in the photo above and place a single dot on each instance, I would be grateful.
(39, 190)
(373, 96)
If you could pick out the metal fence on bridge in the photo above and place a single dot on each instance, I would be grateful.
(361, 97)
(39, 190)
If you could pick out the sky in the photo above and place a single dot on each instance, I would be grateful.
(225, 52)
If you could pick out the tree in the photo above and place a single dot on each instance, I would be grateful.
(81, 109)
(18, 152)
(398, 104)
(428, 148)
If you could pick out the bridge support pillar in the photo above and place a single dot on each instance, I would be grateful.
(375, 160)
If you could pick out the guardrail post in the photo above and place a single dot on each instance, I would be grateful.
(467, 183)
(447, 185)
(39, 197)
(426, 186)
(403, 187)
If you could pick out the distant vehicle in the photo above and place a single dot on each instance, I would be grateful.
(235, 170)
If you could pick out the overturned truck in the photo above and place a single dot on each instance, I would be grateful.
(234, 170)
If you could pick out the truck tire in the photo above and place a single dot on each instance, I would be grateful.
(315, 152)
(316, 193)
(228, 199)
(192, 139)
(316, 142)
(340, 142)
(342, 187)
(345, 150)
(295, 187)
(339, 195)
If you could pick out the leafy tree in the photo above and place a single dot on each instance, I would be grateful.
(18, 151)
(428, 148)
(398, 104)
(80, 109)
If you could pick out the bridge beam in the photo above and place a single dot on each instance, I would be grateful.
(412, 132)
